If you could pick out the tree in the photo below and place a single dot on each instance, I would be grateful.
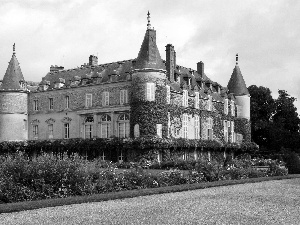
(262, 110)
(286, 115)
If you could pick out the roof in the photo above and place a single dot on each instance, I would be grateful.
(236, 84)
(13, 75)
(149, 56)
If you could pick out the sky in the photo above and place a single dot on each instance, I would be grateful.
(265, 34)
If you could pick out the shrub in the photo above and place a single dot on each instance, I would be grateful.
(292, 162)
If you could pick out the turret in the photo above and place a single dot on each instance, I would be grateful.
(237, 86)
(13, 103)
(148, 88)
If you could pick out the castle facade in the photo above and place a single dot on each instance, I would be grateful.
(141, 97)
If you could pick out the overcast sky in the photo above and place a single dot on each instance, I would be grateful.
(266, 34)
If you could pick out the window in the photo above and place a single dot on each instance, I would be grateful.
(197, 127)
(225, 130)
(210, 129)
(185, 125)
(169, 124)
(168, 94)
(150, 94)
(88, 100)
(159, 130)
(121, 157)
(35, 130)
(123, 126)
(232, 108)
(66, 130)
(102, 157)
(185, 98)
(209, 103)
(105, 126)
(67, 100)
(105, 98)
(50, 130)
(136, 130)
(123, 97)
(35, 105)
(88, 129)
(226, 107)
(197, 100)
(50, 103)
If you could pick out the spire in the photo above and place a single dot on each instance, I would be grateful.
(236, 84)
(149, 57)
(236, 58)
(13, 76)
(148, 18)
(14, 49)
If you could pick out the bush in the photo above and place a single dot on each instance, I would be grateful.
(292, 162)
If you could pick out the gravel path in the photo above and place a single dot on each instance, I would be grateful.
(270, 202)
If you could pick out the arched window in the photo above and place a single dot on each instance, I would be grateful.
(88, 127)
(105, 126)
(123, 126)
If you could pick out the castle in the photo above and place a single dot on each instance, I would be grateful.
(146, 96)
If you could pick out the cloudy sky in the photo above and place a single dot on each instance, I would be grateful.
(266, 34)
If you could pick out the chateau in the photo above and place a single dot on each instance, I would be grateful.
(141, 97)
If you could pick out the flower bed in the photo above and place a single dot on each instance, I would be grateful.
(46, 176)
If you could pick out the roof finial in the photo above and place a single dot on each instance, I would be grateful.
(148, 18)
(236, 58)
(14, 48)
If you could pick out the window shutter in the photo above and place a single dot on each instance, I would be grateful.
(103, 98)
(121, 97)
(152, 92)
(125, 96)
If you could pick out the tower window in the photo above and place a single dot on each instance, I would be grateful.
(35, 105)
(150, 94)
(50, 103)
(67, 101)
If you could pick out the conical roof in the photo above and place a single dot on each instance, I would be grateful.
(236, 84)
(13, 75)
(149, 56)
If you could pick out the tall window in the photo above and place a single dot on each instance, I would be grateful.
(105, 98)
(88, 127)
(121, 156)
(35, 105)
(136, 130)
(209, 103)
(123, 126)
(159, 130)
(226, 106)
(210, 129)
(197, 127)
(185, 125)
(67, 101)
(66, 130)
(88, 100)
(197, 100)
(123, 97)
(50, 130)
(225, 131)
(105, 126)
(168, 94)
(35, 130)
(150, 94)
(185, 98)
(232, 108)
(50, 103)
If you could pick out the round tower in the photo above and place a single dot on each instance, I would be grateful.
(13, 103)
(237, 86)
(149, 115)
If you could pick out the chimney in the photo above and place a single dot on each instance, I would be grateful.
(170, 61)
(93, 60)
(56, 68)
(200, 68)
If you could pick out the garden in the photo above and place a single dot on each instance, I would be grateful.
(48, 176)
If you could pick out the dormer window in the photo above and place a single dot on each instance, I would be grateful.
(209, 103)
(232, 108)
(197, 100)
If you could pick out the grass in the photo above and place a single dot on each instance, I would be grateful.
(30, 205)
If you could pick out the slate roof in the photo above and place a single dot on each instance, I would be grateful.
(149, 56)
(13, 75)
(236, 84)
